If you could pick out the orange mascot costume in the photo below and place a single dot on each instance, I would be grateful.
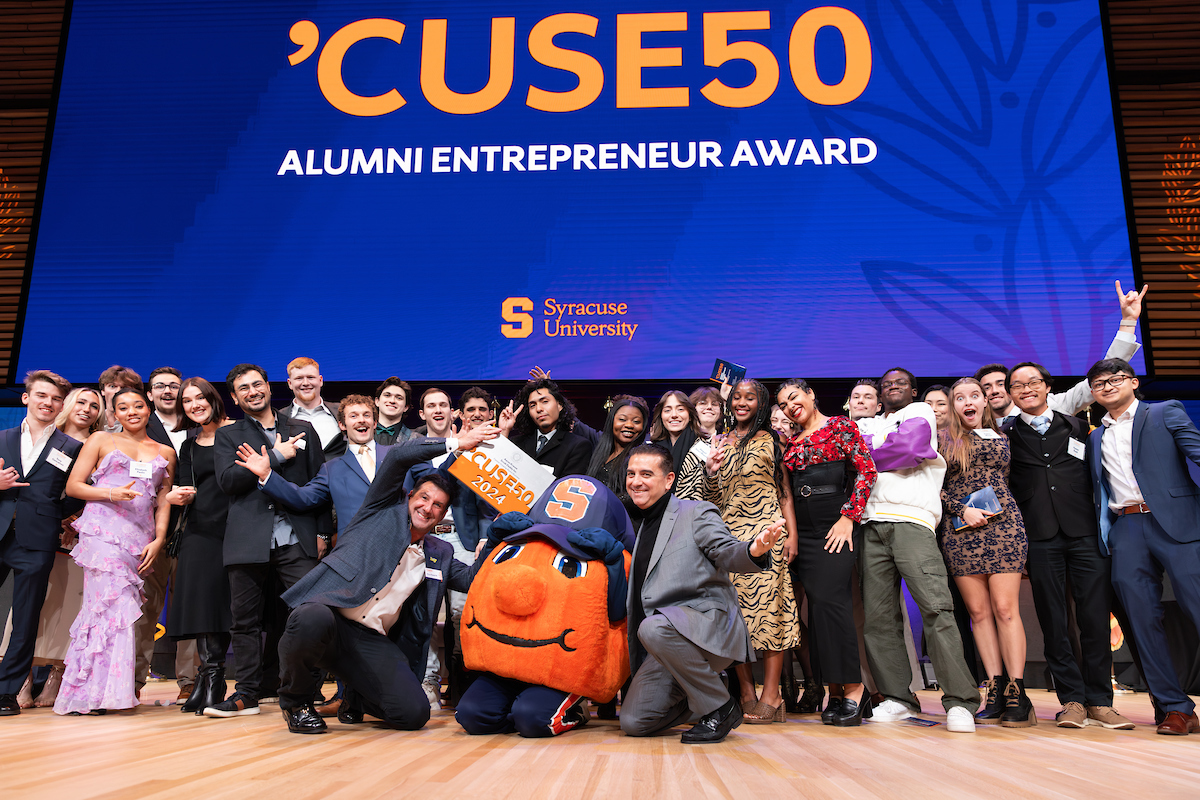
(544, 620)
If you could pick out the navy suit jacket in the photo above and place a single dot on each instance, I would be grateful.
(365, 557)
(40, 507)
(1164, 441)
(341, 480)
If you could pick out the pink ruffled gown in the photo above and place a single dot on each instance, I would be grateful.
(99, 671)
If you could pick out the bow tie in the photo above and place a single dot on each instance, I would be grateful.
(390, 431)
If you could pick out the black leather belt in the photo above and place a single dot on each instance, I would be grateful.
(806, 490)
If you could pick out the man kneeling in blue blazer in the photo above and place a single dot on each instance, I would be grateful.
(366, 611)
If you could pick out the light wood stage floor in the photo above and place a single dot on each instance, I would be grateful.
(158, 752)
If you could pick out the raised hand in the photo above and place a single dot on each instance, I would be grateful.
(539, 374)
(767, 538)
(288, 448)
(258, 463)
(471, 439)
(1131, 301)
(508, 418)
(716, 454)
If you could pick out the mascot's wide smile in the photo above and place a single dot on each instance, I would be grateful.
(516, 641)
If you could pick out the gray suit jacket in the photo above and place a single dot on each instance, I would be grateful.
(369, 548)
(687, 581)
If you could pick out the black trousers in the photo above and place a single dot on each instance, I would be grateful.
(31, 575)
(372, 666)
(1051, 563)
(826, 578)
(250, 586)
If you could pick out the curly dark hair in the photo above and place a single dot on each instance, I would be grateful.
(760, 422)
(524, 423)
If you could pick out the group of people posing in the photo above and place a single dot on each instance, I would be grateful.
(319, 537)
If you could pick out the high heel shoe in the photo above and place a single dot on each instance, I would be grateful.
(832, 709)
(810, 701)
(851, 713)
(765, 713)
(197, 700)
(25, 696)
(49, 693)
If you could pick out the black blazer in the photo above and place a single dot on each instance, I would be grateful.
(39, 508)
(1052, 487)
(251, 512)
(565, 453)
(369, 549)
(336, 446)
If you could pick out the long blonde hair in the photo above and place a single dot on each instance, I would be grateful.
(956, 443)
(69, 405)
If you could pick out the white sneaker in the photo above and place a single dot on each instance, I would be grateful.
(890, 711)
(959, 720)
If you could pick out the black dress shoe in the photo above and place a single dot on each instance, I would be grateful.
(9, 707)
(350, 711)
(304, 719)
(832, 709)
(715, 726)
(851, 714)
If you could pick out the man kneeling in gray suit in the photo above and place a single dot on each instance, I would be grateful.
(685, 625)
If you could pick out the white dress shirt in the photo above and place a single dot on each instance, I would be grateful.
(320, 418)
(30, 449)
(369, 460)
(383, 609)
(1116, 456)
(177, 437)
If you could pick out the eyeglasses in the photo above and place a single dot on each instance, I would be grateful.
(1114, 382)
(158, 387)
(1036, 383)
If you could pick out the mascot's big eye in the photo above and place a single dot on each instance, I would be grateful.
(508, 552)
(571, 567)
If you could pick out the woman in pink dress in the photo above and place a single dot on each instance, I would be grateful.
(121, 531)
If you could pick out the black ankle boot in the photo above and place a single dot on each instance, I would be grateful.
(214, 688)
(1018, 710)
(993, 704)
(810, 701)
(789, 687)
(195, 704)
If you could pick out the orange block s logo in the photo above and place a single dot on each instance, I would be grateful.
(517, 323)
(571, 499)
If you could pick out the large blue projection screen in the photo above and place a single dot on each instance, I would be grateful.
(458, 190)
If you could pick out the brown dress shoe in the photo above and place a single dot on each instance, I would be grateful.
(330, 709)
(184, 693)
(1179, 724)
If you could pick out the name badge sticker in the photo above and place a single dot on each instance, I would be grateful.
(140, 469)
(59, 459)
(433, 574)
(301, 444)
(1076, 448)
(986, 433)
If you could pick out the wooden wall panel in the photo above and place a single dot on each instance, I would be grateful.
(30, 35)
(1156, 61)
